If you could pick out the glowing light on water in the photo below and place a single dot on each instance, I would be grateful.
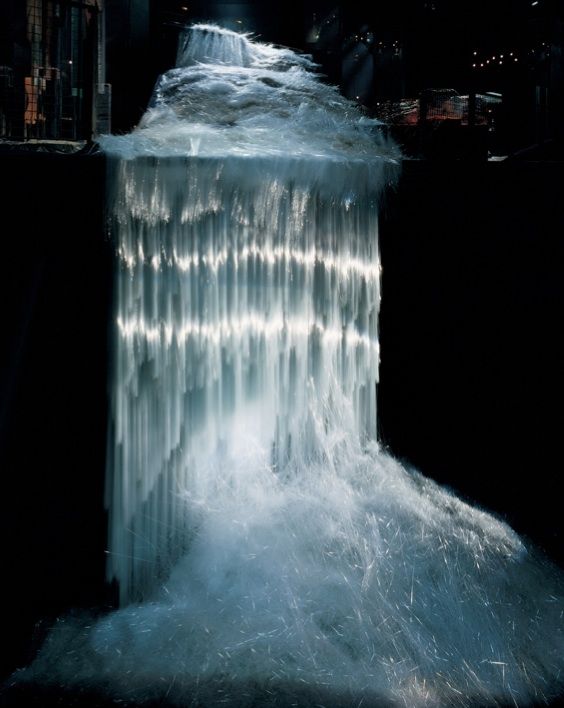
(240, 329)
(283, 255)
(230, 298)
(282, 557)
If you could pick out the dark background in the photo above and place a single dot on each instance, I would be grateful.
(472, 382)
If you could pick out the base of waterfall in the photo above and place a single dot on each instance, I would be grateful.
(359, 582)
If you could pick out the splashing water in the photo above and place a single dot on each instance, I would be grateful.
(267, 552)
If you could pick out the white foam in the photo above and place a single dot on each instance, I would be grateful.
(348, 579)
(233, 97)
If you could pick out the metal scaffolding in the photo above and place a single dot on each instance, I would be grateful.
(52, 83)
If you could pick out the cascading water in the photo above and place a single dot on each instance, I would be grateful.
(281, 557)
(248, 286)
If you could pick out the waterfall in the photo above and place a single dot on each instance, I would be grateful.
(267, 551)
(247, 288)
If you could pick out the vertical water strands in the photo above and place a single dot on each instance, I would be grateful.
(243, 291)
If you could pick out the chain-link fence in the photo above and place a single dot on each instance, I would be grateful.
(52, 81)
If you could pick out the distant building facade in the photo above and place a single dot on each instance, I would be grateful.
(52, 70)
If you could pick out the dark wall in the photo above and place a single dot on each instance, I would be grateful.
(471, 379)
(54, 296)
(472, 335)
(132, 60)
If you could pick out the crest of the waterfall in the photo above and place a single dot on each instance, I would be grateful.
(244, 207)
(210, 44)
(231, 97)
